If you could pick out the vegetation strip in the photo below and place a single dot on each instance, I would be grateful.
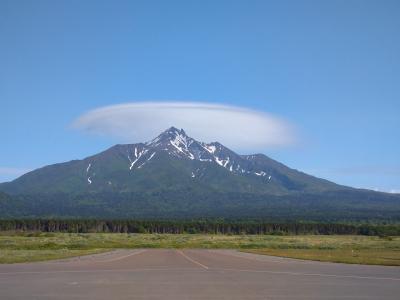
(389, 257)
(196, 226)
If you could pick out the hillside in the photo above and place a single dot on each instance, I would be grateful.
(174, 175)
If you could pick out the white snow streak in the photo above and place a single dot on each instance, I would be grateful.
(151, 156)
(141, 165)
(210, 148)
(179, 141)
(219, 161)
(261, 173)
(138, 155)
(226, 162)
(205, 159)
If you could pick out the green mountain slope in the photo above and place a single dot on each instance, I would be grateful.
(177, 176)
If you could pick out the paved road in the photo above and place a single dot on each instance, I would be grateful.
(195, 274)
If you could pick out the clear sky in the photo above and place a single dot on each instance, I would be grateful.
(330, 68)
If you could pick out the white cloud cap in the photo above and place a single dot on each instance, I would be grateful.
(235, 127)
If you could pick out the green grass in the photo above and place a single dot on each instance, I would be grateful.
(21, 247)
(21, 256)
(363, 256)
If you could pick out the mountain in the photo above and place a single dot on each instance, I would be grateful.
(172, 160)
(174, 175)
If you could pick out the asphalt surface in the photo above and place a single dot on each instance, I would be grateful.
(195, 274)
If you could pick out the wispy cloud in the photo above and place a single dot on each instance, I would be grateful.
(357, 170)
(391, 191)
(380, 178)
(9, 171)
(236, 127)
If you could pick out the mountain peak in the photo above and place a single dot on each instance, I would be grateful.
(168, 135)
(178, 145)
(175, 131)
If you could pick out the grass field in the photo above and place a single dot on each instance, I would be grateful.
(362, 256)
(19, 256)
(23, 247)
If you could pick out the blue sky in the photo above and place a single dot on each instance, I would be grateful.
(330, 68)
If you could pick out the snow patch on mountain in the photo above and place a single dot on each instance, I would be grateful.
(176, 143)
(261, 173)
(138, 155)
(205, 159)
(226, 162)
(219, 161)
(154, 142)
(151, 156)
(210, 148)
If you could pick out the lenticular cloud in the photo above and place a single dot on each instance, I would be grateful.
(235, 127)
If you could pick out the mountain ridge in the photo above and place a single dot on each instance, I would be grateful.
(176, 175)
(175, 144)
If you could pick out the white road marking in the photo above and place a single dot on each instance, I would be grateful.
(312, 274)
(122, 257)
(192, 260)
(203, 266)
(101, 270)
(276, 259)
(165, 268)
(297, 273)
(272, 259)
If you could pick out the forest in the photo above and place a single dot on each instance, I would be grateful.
(213, 226)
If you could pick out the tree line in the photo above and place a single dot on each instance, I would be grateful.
(195, 226)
